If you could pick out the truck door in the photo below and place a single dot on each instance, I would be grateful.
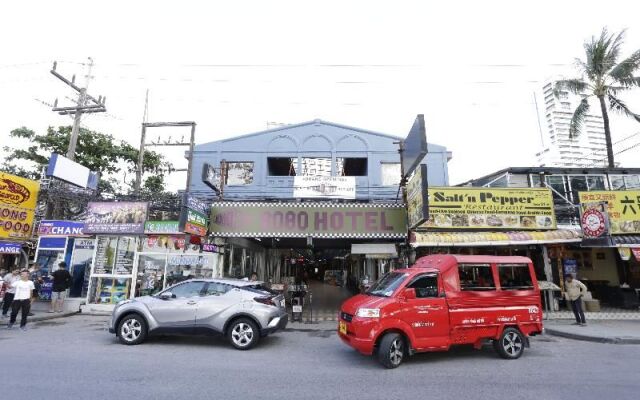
(428, 313)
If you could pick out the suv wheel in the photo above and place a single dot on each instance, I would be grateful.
(243, 334)
(391, 351)
(511, 344)
(132, 329)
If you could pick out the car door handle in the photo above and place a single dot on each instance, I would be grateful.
(192, 302)
(435, 308)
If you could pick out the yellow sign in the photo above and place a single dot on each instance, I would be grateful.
(18, 198)
(490, 208)
(623, 208)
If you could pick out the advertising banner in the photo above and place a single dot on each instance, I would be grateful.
(623, 208)
(168, 243)
(9, 248)
(417, 197)
(415, 146)
(161, 227)
(490, 208)
(61, 228)
(116, 217)
(18, 198)
(317, 220)
(328, 187)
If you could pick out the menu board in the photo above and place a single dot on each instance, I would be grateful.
(124, 255)
(105, 253)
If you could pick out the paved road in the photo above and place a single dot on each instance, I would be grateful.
(75, 358)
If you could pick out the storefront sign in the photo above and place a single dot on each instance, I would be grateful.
(70, 171)
(10, 248)
(191, 260)
(318, 220)
(570, 266)
(490, 208)
(623, 208)
(193, 218)
(197, 205)
(161, 227)
(116, 217)
(18, 197)
(594, 223)
(417, 197)
(167, 243)
(211, 248)
(328, 187)
(61, 228)
(52, 243)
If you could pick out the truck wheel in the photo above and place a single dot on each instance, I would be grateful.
(391, 351)
(243, 334)
(510, 345)
(132, 329)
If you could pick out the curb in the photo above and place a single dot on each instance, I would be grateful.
(43, 317)
(594, 339)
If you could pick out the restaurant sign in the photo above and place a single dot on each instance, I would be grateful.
(18, 197)
(623, 208)
(316, 220)
(490, 208)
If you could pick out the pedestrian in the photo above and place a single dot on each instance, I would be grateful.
(22, 299)
(574, 290)
(9, 279)
(35, 276)
(254, 276)
(61, 282)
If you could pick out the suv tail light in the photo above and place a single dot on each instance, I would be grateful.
(265, 300)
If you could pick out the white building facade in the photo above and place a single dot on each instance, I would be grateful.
(586, 149)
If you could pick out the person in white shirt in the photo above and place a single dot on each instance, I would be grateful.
(8, 296)
(574, 290)
(21, 300)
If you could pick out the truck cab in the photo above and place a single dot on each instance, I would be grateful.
(442, 301)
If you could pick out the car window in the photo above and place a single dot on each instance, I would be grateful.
(189, 289)
(425, 286)
(216, 289)
(476, 277)
(387, 284)
(515, 277)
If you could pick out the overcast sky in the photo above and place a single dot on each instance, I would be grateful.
(234, 66)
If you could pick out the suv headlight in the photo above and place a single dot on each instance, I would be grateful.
(368, 313)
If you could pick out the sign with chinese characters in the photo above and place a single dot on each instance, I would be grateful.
(61, 228)
(417, 197)
(623, 208)
(490, 208)
(18, 198)
(302, 220)
(328, 187)
(116, 217)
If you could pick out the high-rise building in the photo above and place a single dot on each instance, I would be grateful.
(586, 149)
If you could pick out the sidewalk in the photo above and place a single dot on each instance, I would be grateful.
(600, 331)
(40, 309)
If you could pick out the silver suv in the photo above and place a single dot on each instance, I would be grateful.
(243, 311)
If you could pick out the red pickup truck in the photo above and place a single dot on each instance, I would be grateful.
(445, 300)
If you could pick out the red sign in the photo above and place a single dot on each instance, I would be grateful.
(636, 252)
(195, 229)
(594, 223)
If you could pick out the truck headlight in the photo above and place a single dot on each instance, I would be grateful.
(368, 313)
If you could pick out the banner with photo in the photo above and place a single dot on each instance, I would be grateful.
(490, 208)
(623, 207)
(116, 217)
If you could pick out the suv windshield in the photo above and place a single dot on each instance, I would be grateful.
(387, 284)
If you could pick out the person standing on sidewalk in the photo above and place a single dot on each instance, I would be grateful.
(9, 279)
(61, 282)
(574, 292)
(22, 299)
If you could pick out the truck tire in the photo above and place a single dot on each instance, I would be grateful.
(132, 329)
(243, 334)
(510, 345)
(392, 350)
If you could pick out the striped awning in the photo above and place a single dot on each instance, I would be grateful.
(468, 239)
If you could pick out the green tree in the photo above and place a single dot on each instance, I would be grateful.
(603, 77)
(97, 151)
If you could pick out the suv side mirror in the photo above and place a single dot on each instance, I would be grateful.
(166, 295)
(409, 293)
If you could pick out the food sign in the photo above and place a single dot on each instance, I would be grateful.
(490, 208)
(18, 197)
(623, 208)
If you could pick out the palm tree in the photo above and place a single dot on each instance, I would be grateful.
(604, 78)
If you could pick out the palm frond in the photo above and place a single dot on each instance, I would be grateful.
(624, 72)
(575, 86)
(577, 120)
(618, 105)
(602, 52)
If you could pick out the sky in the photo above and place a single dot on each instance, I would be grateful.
(237, 67)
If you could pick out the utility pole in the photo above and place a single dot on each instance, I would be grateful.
(143, 137)
(85, 104)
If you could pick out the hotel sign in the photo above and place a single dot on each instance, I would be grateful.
(317, 220)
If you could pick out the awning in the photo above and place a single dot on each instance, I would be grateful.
(375, 250)
(468, 239)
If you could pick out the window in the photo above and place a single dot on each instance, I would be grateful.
(425, 286)
(390, 174)
(476, 277)
(578, 184)
(351, 166)
(595, 182)
(216, 289)
(515, 277)
(189, 289)
(563, 95)
(557, 184)
(282, 166)
(239, 173)
(387, 284)
(316, 166)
